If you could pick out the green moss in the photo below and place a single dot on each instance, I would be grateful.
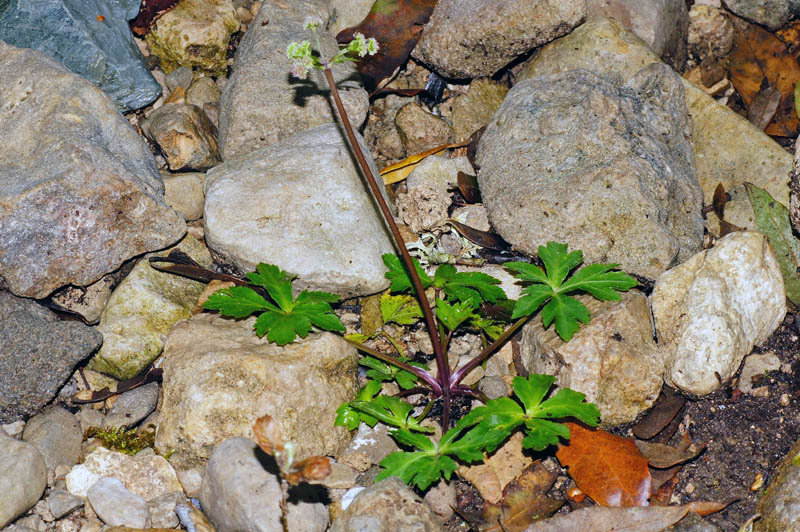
(128, 441)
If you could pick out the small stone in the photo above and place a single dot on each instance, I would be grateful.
(440, 172)
(785, 400)
(474, 109)
(186, 136)
(116, 505)
(162, 510)
(57, 435)
(341, 476)
(755, 365)
(441, 499)
(423, 208)
(192, 481)
(42, 509)
(493, 387)
(420, 130)
(87, 301)
(203, 90)
(62, 503)
(132, 406)
(710, 32)
(473, 216)
(180, 77)
(14, 429)
(185, 193)
(368, 447)
(761, 391)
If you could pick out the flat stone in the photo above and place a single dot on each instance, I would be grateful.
(23, 477)
(142, 310)
(576, 158)
(37, 355)
(299, 204)
(711, 310)
(219, 377)
(89, 37)
(240, 493)
(57, 435)
(116, 505)
(62, 502)
(473, 38)
(79, 186)
(261, 104)
(194, 33)
(132, 406)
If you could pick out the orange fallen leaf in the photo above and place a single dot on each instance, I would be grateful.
(607, 468)
(396, 172)
(760, 59)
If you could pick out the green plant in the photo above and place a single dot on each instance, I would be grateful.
(458, 302)
(120, 439)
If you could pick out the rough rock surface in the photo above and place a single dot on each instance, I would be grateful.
(57, 435)
(142, 310)
(79, 187)
(241, 492)
(780, 505)
(261, 104)
(662, 24)
(613, 359)
(474, 109)
(711, 310)
(186, 136)
(421, 130)
(86, 301)
(346, 13)
(608, 169)
(770, 13)
(185, 193)
(195, 33)
(37, 355)
(710, 31)
(473, 38)
(147, 476)
(300, 204)
(387, 505)
(747, 154)
(219, 377)
(102, 50)
(23, 477)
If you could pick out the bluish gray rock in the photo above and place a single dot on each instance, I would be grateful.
(89, 37)
(37, 355)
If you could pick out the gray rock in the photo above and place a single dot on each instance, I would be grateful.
(142, 310)
(711, 310)
(387, 505)
(133, 406)
(472, 38)
(261, 104)
(116, 505)
(368, 447)
(747, 155)
(756, 365)
(575, 158)
(770, 13)
(79, 187)
(421, 130)
(780, 505)
(62, 503)
(57, 435)
(241, 493)
(613, 359)
(86, 301)
(202, 91)
(37, 355)
(23, 477)
(346, 13)
(186, 136)
(219, 377)
(162, 509)
(180, 77)
(662, 24)
(102, 50)
(300, 204)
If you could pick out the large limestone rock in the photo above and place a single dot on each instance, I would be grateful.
(472, 38)
(574, 157)
(711, 310)
(299, 204)
(219, 377)
(38, 353)
(143, 309)
(613, 359)
(79, 188)
(194, 33)
(746, 154)
(261, 103)
(89, 37)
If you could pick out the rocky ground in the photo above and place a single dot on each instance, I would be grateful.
(609, 125)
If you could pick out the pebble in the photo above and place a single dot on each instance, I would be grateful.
(62, 503)
(132, 406)
(116, 505)
(57, 435)
(23, 477)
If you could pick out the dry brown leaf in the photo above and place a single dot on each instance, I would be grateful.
(268, 435)
(764, 106)
(642, 519)
(661, 415)
(663, 456)
(311, 469)
(607, 468)
(394, 173)
(524, 500)
(758, 54)
(492, 476)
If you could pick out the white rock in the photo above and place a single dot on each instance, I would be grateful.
(711, 310)
(239, 493)
(116, 505)
(146, 476)
(299, 204)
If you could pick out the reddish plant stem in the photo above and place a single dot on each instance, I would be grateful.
(462, 372)
(443, 376)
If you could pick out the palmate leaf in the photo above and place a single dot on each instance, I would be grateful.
(347, 416)
(421, 468)
(392, 411)
(283, 318)
(550, 287)
(467, 286)
(451, 316)
(381, 371)
(402, 309)
(399, 277)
